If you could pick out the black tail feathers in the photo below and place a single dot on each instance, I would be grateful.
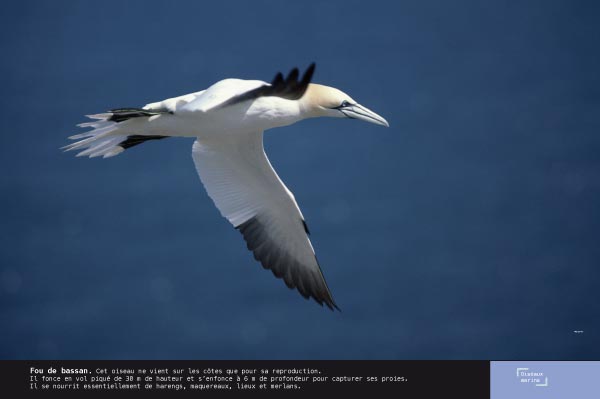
(123, 114)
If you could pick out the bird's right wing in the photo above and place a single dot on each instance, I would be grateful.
(243, 185)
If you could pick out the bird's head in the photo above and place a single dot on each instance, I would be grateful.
(322, 100)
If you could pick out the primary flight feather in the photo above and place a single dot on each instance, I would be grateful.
(228, 120)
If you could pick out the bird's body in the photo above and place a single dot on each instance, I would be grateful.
(199, 114)
(228, 120)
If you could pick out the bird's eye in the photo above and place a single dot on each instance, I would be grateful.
(344, 104)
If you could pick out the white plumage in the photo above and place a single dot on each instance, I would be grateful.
(228, 120)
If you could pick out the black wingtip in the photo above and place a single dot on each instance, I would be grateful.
(332, 305)
(277, 80)
(293, 76)
(310, 283)
(328, 301)
(308, 74)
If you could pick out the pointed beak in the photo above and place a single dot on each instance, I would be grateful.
(357, 111)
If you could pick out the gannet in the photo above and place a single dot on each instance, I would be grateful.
(228, 120)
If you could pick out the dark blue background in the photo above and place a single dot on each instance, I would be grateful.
(469, 229)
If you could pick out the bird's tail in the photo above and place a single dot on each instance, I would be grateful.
(109, 135)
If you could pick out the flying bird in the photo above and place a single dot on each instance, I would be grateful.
(228, 120)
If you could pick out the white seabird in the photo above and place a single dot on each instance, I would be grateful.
(228, 120)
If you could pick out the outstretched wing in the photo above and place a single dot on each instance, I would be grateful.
(243, 185)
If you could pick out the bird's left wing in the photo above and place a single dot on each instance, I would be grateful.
(230, 92)
(289, 88)
(243, 185)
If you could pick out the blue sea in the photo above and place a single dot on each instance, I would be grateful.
(469, 229)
